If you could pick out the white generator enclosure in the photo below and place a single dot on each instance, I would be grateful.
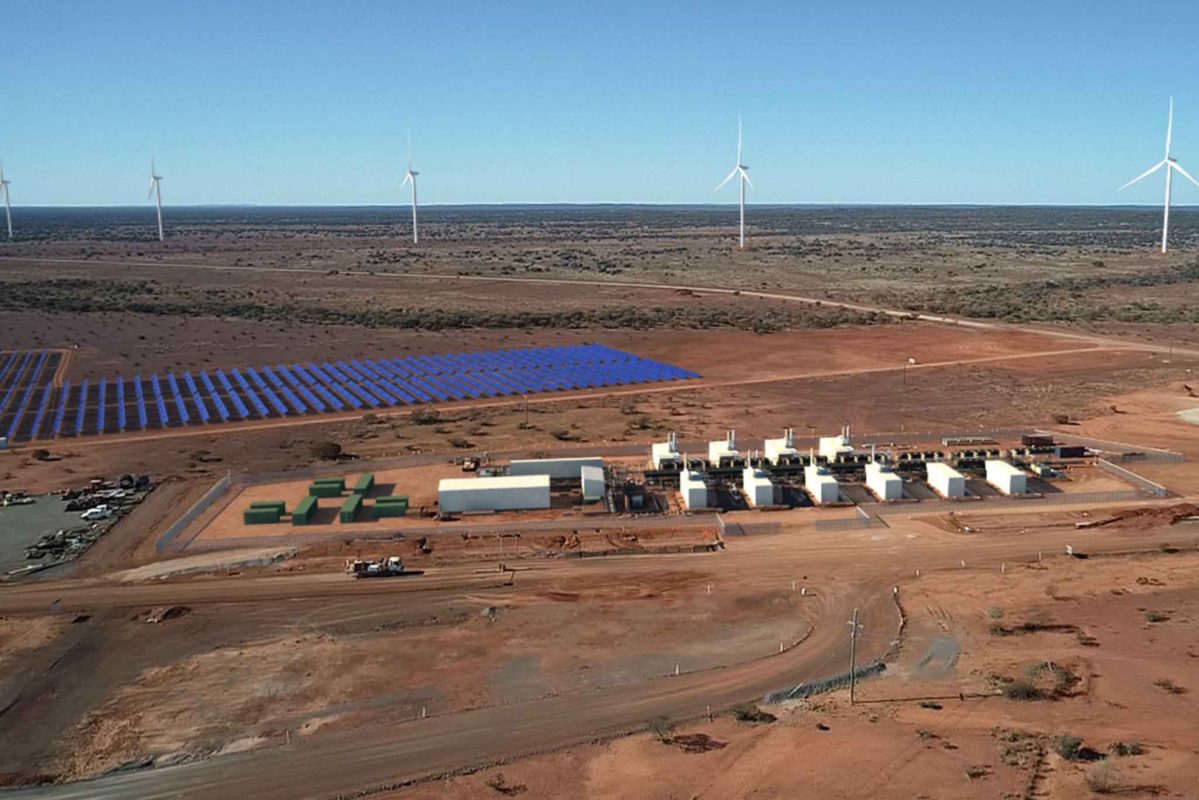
(693, 489)
(723, 449)
(833, 446)
(508, 493)
(553, 467)
(883, 481)
(945, 480)
(1006, 478)
(592, 479)
(775, 449)
(758, 488)
(822, 486)
(665, 453)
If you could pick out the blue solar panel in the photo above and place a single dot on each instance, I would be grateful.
(100, 400)
(15, 382)
(333, 386)
(62, 408)
(120, 403)
(82, 407)
(197, 398)
(179, 406)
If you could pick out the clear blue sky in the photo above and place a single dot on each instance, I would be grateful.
(299, 102)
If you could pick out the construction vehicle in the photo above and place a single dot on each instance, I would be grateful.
(469, 464)
(375, 568)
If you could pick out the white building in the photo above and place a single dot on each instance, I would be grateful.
(1006, 478)
(693, 489)
(592, 479)
(507, 493)
(665, 453)
(776, 449)
(821, 485)
(759, 489)
(559, 468)
(945, 480)
(883, 481)
(833, 446)
(726, 448)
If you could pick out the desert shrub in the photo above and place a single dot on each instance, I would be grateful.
(995, 612)
(1021, 689)
(660, 727)
(563, 435)
(750, 713)
(460, 443)
(425, 416)
(40, 455)
(1156, 616)
(326, 451)
(1103, 778)
(1170, 686)
(976, 771)
(1127, 748)
(1068, 747)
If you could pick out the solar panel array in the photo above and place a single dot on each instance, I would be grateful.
(153, 402)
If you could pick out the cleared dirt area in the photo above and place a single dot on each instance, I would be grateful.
(937, 724)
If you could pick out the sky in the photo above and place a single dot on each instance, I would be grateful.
(294, 102)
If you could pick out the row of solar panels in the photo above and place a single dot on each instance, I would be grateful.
(335, 386)
(21, 373)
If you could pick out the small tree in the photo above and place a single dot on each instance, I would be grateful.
(327, 451)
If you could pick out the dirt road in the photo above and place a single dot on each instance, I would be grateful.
(340, 764)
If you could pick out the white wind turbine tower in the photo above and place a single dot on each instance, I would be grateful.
(1171, 165)
(410, 177)
(156, 193)
(7, 203)
(742, 171)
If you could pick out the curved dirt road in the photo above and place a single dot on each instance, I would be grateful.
(850, 570)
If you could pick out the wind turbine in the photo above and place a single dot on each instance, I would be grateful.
(410, 177)
(741, 170)
(1171, 165)
(7, 203)
(156, 193)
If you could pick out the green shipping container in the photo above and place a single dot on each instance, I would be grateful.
(279, 504)
(260, 516)
(389, 510)
(340, 483)
(324, 490)
(366, 482)
(350, 508)
(305, 510)
(401, 499)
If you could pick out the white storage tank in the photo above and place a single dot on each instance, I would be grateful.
(945, 480)
(554, 467)
(506, 493)
(775, 449)
(666, 453)
(1006, 478)
(759, 489)
(821, 485)
(883, 481)
(592, 479)
(693, 489)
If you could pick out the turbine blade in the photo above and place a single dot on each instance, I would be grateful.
(738, 138)
(1143, 175)
(726, 180)
(150, 193)
(745, 175)
(1169, 127)
(1185, 174)
(407, 179)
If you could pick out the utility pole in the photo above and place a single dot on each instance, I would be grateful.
(526, 397)
(853, 655)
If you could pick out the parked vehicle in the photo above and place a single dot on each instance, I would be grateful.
(95, 514)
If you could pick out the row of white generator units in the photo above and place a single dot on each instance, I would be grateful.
(881, 479)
